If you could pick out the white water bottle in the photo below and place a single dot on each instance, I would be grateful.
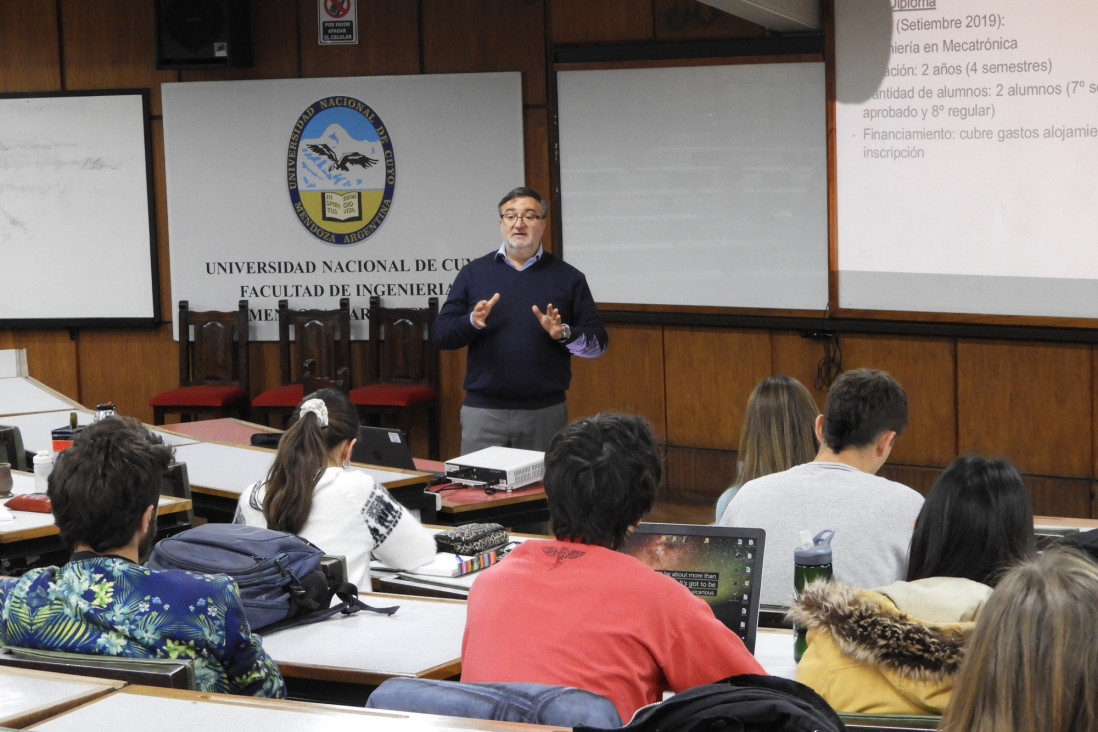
(43, 464)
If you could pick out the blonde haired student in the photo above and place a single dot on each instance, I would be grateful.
(778, 432)
(1032, 663)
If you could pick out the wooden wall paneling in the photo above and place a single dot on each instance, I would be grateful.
(682, 20)
(275, 50)
(451, 376)
(925, 368)
(1094, 414)
(127, 366)
(710, 374)
(29, 35)
(263, 366)
(51, 357)
(168, 306)
(388, 41)
(1031, 402)
(1060, 496)
(487, 35)
(693, 474)
(628, 377)
(918, 478)
(111, 44)
(798, 357)
(606, 21)
(536, 162)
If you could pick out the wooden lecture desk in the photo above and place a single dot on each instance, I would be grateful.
(27, 696)
(343, 658)
(221, 462)
(524, 507)
(32, 539)
(140, 708)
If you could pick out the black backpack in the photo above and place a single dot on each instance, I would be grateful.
(279, 575)
(747, 703)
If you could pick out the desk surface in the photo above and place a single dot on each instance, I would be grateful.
(139, 708)
(30, 525)
(23, 395)
(468, 498)
(423, 638)
(774, 651)
(37, 429)
(29, 696)
(224, 464)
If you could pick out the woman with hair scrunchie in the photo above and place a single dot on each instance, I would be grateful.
(311, 491)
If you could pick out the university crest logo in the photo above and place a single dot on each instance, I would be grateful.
(340, 170)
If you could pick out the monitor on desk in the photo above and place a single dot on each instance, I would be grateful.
(720, 564)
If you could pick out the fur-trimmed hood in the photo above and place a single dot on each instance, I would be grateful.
(869, 628)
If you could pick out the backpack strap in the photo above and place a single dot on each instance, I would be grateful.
(350, 603)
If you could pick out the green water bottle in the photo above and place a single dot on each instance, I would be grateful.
(811, 561)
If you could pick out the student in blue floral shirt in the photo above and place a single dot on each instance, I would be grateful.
(104, 491)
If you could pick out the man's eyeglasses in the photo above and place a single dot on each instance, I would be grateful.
(527, 217)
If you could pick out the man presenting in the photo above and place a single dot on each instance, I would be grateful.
(523, 313)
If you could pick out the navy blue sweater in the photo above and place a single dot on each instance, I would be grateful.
(512, 363)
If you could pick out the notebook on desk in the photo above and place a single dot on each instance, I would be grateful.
(720, 564)
(383, 446)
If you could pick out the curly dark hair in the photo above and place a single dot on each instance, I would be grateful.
(101, 486)
(601, 475)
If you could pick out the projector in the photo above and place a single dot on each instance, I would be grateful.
(505, 468)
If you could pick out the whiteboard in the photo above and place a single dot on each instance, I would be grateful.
(966, 143)
(76, 221)
(697, 186)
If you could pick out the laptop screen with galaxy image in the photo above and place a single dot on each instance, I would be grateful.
(720, 564)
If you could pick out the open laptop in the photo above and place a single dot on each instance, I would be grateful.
(720, 564)
(383, 446)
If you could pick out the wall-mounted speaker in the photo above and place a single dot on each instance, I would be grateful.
(203, 34)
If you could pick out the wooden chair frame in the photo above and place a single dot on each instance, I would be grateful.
(400, 353)
(213, 351)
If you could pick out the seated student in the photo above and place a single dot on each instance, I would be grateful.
(976, 522)
(311, 491)
(777, 432)
(872, 517)
(104, 491)
(576, 612)
(1032, 661)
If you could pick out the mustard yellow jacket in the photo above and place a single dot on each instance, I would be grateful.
(865, 654)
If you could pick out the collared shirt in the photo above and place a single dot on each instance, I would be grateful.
(501, 256)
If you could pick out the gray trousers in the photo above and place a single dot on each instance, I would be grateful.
(527, 429)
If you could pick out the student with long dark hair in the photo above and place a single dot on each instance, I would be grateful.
(312, 491)
(896, 649)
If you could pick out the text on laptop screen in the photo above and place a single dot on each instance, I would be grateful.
(721, 565)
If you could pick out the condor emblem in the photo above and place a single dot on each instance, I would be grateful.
(340, 170)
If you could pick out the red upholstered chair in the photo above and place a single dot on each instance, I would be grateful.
(403, 365)
(213, 365)
(314, 349)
